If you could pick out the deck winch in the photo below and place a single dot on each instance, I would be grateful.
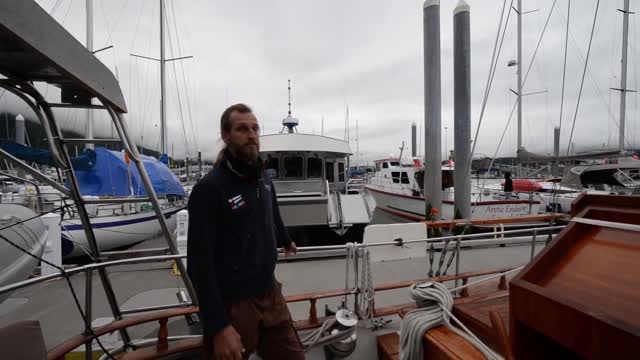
(346, 321)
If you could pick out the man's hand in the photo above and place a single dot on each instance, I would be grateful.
(290, 249)
(227, 345)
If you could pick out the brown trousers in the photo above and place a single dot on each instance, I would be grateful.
(265, 326)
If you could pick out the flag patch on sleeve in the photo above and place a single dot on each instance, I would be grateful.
(236, 202)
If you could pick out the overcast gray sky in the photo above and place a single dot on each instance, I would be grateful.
(367, 54)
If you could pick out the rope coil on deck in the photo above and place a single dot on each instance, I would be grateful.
(435, 303)
(358, 261)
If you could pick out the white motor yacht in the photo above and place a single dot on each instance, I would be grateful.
(398, 189)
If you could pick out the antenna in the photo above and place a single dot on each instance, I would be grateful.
(357, 146)
(289, 122)
(289, 87)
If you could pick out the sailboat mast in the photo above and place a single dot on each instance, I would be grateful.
(163, 92)
(623, 72)
(89, 41)
(357, 146)
(519, 69)
(346, 126)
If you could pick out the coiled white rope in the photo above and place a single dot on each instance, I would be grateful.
(351, 261)
(435, 302)
(358, 261)
(366, 291)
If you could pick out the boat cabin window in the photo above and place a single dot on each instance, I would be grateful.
(328, 170)
(378, 167)
(395, 163)
(314, 168)
(340, 172)
(395, 175)
(272, 166)
(385, 165)
(404, 178)
(292, 167)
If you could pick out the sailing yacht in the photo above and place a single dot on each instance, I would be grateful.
(109, 178)
(120, 213)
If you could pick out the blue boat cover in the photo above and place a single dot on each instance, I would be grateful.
(110, 176)
(84, 161)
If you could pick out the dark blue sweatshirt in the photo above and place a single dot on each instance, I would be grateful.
(235, 229)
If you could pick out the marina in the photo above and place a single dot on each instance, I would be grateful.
(416, 256)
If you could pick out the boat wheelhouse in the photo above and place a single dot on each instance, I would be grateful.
(309, 173)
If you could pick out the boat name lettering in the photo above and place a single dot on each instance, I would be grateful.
(508, 209)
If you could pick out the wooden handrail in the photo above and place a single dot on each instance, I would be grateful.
(166, 347)
(59, 351)
(509, 220)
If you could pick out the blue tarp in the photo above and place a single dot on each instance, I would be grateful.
(110, 176)
(84, 161)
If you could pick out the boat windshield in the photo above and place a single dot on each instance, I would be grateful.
(292, 167)
(272, 165)
(314, 168)
(328, 169)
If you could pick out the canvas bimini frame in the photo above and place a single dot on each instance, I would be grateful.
(35, 48)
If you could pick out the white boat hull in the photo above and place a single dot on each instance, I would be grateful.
(31, 235)
(549, 201)
(113, 232)
(113, 226)
(413, 207)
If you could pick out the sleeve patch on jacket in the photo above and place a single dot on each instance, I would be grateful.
(236, 202)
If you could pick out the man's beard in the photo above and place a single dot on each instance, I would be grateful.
(246, 152)
(244, 160)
